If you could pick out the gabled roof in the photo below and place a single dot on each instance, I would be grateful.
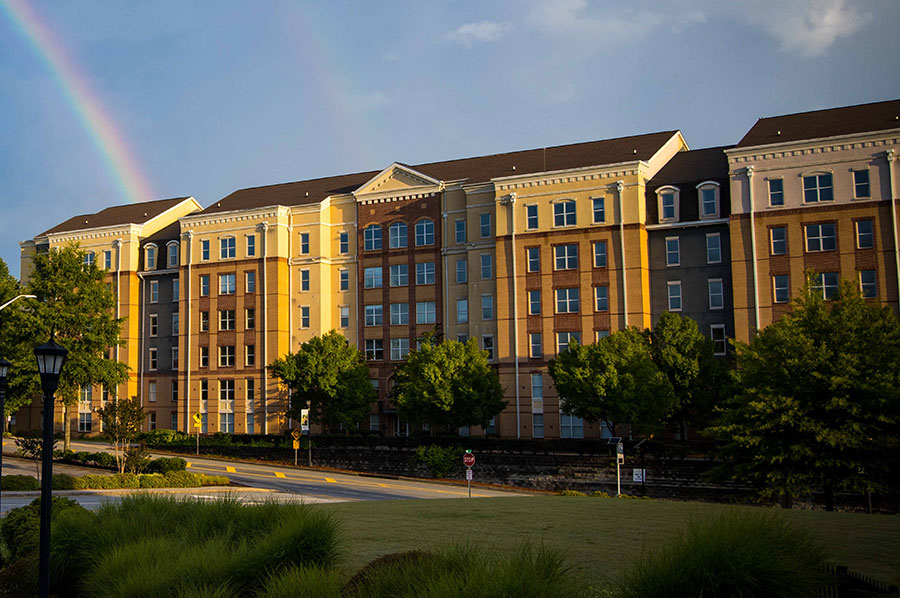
(472, 170)
(136, 213)
(706, 164)
(848, 120)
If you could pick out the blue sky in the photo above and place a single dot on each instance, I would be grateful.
(217, 96)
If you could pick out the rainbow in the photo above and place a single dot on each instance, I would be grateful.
(86, 105)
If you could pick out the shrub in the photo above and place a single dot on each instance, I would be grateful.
(735, 554)
(63, 481)
(125, 480)
(15, 483)
(164, 437)
(181, 479)
(164, 464)
(439, 460)
(136, 459)
(152, 480)
(212, 480)
(106, 460)
(20, 526)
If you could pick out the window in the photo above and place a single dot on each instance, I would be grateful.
(673, 251)
(249, 355)
(827, 283)
(399, 314)
(374, 421)
(599, 254)
(227, 284)
(153, 360)
(371, 278)
(344, 242)
(154, 325)
(564, 213)
(227, 248)
(251, 424)
(531, 217)
(565, 257)
(204, 321)
(226, 319)
(175, 290)
(599, 205)
(204, 250)
(226, 356)
(175, 324)
(567, 301)
(204, 393)
(462, 311)
(674, 290)
(151, 392)
(374, 349)
(374, 315)
(668, 205)
(424, 232)
(345, 316)
(817, 188)
(780, 288)
(535, 347)
(459, 227)
(226, 423)
(84, 422)
(425, 312)
(399, 348)
(304, 243)
(150, 257)
(462, 338)
(487, 266)
(779, 240)
(173, 255)
(709, 200)
(598, 334)
(372, 237)
(250, 318)
(537, 425)
(487, 307)
(154, 291)
(820, 237)
(399, 275)
(107, 260)
(398, 235)
(484, 223)
(716, 293)
(250, 281)
(344, 277)
(868, 287)
(570, 426)
(174, 355)
(776, 192)
(304, 316)
(717, 334)
(533, 259)
(564, 339)
(865, 239)
(251, 245)
(534, 303)
(174, 393)
(713, 248)
(487, 343)
(462, 269)
(304, 280)
(601, 298)
(204, 285)
(861, 183)
(425, 273)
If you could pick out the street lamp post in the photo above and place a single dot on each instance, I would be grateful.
(50, 357)
(4, 370)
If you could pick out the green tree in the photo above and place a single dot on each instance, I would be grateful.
(15, 343)
(329, 377)
(613, 380)
(686, 357)
(819, 407)
(75, 306)
(122, 420)
(447, 385)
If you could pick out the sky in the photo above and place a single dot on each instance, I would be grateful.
(106, 103)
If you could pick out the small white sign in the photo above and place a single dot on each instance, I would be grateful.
(469, 474)
(638, 475)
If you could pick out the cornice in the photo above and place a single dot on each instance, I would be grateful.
(102, 232)
(571, 175)
(398, 195)
(245, 215)
(821, 145)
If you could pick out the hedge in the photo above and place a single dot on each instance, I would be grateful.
(13, 483)
(117, 481)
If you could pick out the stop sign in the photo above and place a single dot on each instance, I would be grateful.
(469, 459)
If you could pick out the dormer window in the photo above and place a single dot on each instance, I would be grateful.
(668, 200)
(708, 195)
(172, 249)
(150, 257)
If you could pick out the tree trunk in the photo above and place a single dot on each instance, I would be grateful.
(787, 501)
(829, 496)
(67, 427)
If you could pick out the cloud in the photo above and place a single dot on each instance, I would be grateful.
(810, 27)
(586, 30)
(482, 31)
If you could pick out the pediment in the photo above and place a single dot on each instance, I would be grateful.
(397, 180)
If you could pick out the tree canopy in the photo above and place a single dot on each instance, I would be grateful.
(819, 400)
(122, 421)
(447, 385)
(330, 378)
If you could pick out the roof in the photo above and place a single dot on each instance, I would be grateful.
(695, 165)
(136, 213)
(472, 170)
(863, 118)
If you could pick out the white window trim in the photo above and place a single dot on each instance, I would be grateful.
(178, 258)
(222, 238)
(709, 281)
(155, 249)
(769, 192)
(820, 172)
(562, 200)
(669, 285)
(593, 199)
(659, 204)
(775, 290)
(725, 336)
(528, 205)
(719, 237)
(700, 188)
(677, 263)
(853, 172)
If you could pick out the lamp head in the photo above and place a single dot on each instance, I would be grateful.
(50, 358)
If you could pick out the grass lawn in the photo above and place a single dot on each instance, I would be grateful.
(601, 537)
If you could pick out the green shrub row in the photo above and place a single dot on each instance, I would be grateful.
(108, 461)
(98, 459)
(117, 481)
(601, 494)
(19, 483)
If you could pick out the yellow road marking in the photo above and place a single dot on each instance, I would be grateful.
(229, 469)
(278, 474)
(188, 464)
(331, 480)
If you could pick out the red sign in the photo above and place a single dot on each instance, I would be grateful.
(469, 459)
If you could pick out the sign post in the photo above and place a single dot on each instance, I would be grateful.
(469, 461)
(198, 423)
(304, 428)
(295, 433)
(620, 460)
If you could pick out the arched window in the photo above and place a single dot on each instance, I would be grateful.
(150, 256)
(372, 237)
(668, 200)
(172, 248)
(425, 232)
(708, 195)
(398, 235)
